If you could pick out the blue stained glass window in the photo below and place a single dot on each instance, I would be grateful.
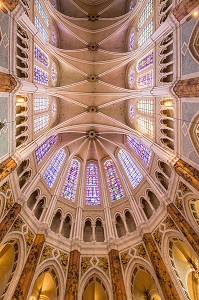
(41, 56)
(131, 111)
(92, 185)
(40, 122)
(131, 40)
(41, 29)
(44, 148)
(145, 62)
(130, 168)
(41, 104)
(145, 80)
(52, 171)
(40, 75)
(70, 186)
(114, 185)
(142, 151)
(131, 77)
(42, 12)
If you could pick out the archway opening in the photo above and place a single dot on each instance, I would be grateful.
(95, 290)
(44, 288)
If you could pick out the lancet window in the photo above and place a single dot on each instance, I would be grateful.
(145, 33)
(45, 147)
(70, 187)
(130, 168)
(92, 184)
(42, 12)
(53, 169)
(145, 106)
(140, 149)
(147, 11)
(41, 29)
(41, 104)
(40, 122)
(145, 125)
(40, 75)
(131, 39)
(40, 56)
(113, 181)
(145, 80)
(145, 62)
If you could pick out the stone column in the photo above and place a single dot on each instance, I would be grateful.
(73, 276)
(166, 284)
(119, 292)
(188, 232)
(8, 220)
(6, 167)
(7, 81)
(188, 173)
(184, 8)
(187, 88)
(24, 283)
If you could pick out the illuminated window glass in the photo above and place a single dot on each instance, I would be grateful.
(114, 185)
(131, 111)
(44, 148)
(145, 106)
(40, 122)
(40, 75)
(145, 13)
(41, 104)
(145, 80)
(132, 4)
(131, 77)
(52, 171)
(54, 109)
(130, 168)
(54, 38)
(131, 40)
(70, 186)
(54, 74)
(142, 151)
(92, 185)
(145, 62)
(145, 33)
(40, 56)
(42, 12)
(41, 29)
(145, 125)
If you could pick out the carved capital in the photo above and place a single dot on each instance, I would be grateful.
(6, 167)
(187, 88)
(188, 173)
(7, 82)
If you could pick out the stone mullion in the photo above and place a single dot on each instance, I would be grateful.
(165, 281)
(25, 280)
(119, 292)
(8, 220)
(73, 276)
(188, 173)
(191, 236)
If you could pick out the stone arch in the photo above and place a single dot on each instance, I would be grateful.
(2, 204)
(87, 231)
(194, 130)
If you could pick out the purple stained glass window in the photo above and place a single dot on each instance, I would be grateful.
(131, 77)
(130, 168)
(114, 185)
(131, 40)
(145, 62)
(131, 111)
(92, 185)
(52, 171)
(70, 186)
(41, 57)
(145, 80)
(40, 76)
(45, 147)
(140, 149)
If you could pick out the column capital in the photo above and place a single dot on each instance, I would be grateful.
(6, 167)
(7, 82)
(188, 173)
(187, 88)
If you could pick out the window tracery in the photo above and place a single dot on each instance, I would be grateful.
(42, 12)
(53, 169)
(69, 189)
(145, 33)
(140, 149)
(145, 106)
(41, 29)
(92, 184)
(41, 104)
(40, 122)
(145, 80)
(45, 147)
(40, 75)
(40, 56)
(132, 39)
(113, 181)
(145, 125)
(145, 61)
(130, 168)
(147, 11)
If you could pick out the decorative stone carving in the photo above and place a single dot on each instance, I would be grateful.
(7, 167)
(119, 292)
(63, 259)
(29, 237)
(10, 4)
(167, 286)
(73, 276)
(169, 223)
(93, 46)
(187, 172)
(184, 8)
(46, 253)
(141, 251)
(18, 224)
(85, 264)
(158, 237)
(103, 264)
(22, 289)
(125, 259)
(7, 82)
(9, 219)
(187, 88)
(93, 17)
(92, 78)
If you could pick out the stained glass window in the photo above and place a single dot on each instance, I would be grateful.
(44, 148)
(132, 4)
(52, 171)
(40, 56)
(145, 125)
(54, 38)
(131, 77)
(130, 168)
(114, 185)
(145, 62)
(40, 75)
(41, 29)
(145, 80)
(54, 74)
(42, 12)
(131, 111)
(92, 185)
(145, 33)
(145, 106)
(54, 109)
(145, 13)
(132, 40)
(142, 151)
(40, 122)
(41, 104)
(70, 186)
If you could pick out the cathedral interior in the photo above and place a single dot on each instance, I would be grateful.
(99, 150)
